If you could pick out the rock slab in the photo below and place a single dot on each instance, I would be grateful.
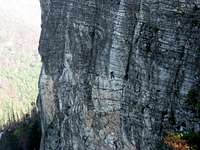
(116, 73)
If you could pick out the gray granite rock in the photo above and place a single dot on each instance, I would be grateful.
(116, 73)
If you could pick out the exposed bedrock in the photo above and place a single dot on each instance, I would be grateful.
(116, 73)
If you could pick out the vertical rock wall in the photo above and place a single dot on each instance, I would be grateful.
(116, 73)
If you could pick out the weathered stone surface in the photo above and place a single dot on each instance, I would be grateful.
(116, 73)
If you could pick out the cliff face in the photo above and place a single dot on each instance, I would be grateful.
(116, 73)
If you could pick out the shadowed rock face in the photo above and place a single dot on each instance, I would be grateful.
(116, 73)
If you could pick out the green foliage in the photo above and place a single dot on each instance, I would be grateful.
(19, 86)
(175, 141)
(18, 132)
(183, 141)
(193, 98)
(195, 22)
(155, 29)
(193, 140)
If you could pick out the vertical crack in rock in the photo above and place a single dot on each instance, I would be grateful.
(116, 73)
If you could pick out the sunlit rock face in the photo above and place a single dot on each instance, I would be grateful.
(116, 73)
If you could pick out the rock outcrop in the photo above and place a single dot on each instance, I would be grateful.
(116, 73)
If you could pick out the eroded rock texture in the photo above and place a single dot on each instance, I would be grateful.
(116, 73)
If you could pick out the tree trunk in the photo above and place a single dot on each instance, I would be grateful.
(116, 73)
